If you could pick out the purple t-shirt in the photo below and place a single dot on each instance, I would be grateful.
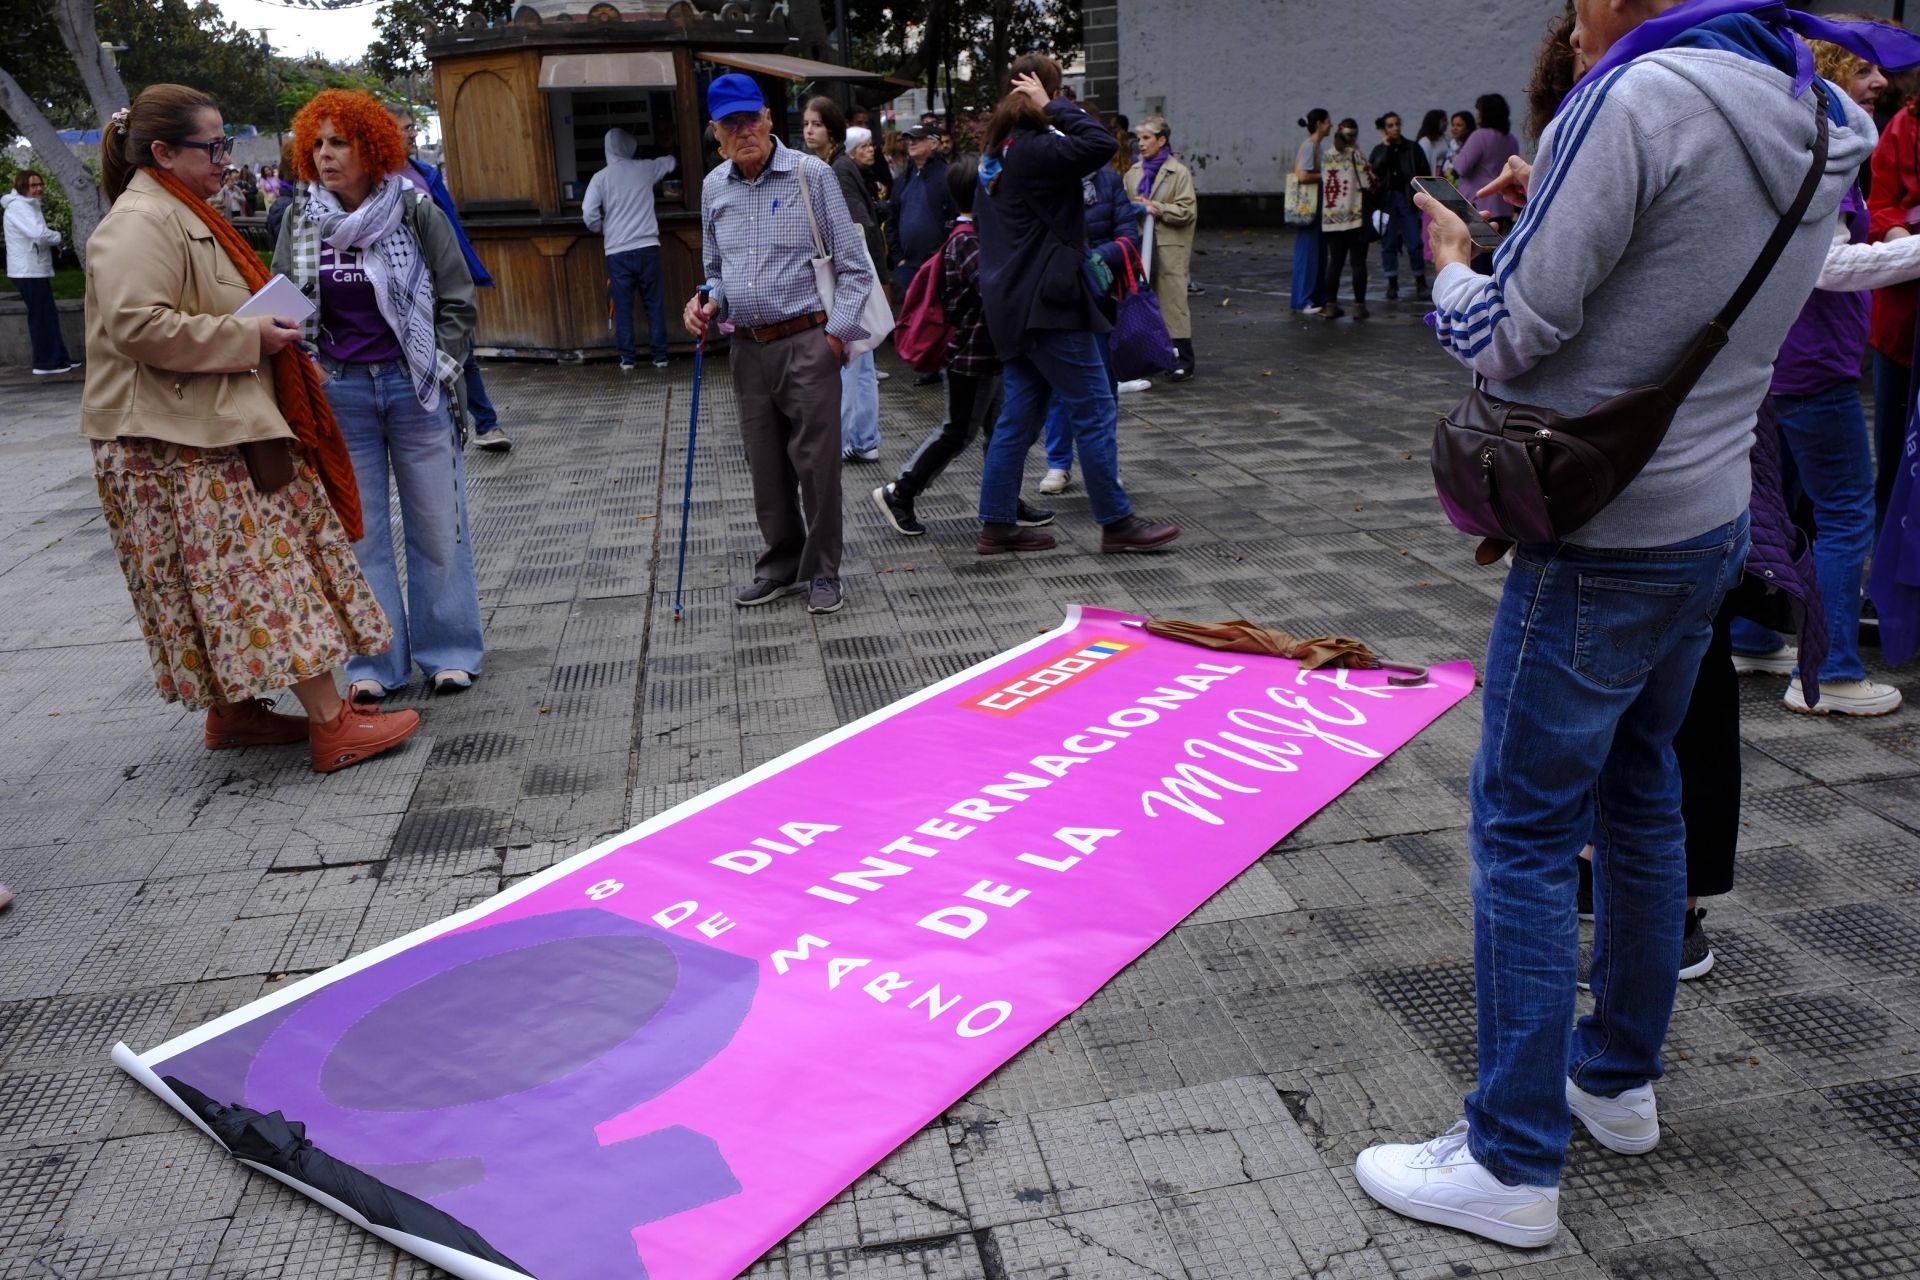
(1481, 158)
(352, 330)
(1826, 344)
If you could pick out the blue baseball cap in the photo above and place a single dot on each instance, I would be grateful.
(732, 93)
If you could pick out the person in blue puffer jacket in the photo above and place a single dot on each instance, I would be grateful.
(1112, 216)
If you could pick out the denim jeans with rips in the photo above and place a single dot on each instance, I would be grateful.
(1589, 672)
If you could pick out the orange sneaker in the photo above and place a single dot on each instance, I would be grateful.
(360, 733)
(253, 723)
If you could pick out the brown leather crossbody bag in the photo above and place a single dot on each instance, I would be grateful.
(1513, 472)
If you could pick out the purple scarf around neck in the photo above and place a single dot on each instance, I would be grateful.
(1150, 169)
(1892, 48)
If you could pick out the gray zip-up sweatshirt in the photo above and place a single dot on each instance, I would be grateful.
(1654, 191)
(619, 199)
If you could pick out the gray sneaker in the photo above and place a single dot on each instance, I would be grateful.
(825, 596)
(766, 591)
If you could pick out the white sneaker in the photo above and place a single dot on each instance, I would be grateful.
(1307, 311)
(1780, 662)
(1441, 1182)
(1135, 384)
(1629, 1124)
(1845, 698)
(54, 373)
(1056, 480)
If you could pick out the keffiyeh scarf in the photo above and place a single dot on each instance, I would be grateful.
(402, 285)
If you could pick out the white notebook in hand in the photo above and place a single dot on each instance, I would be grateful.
(279, 298)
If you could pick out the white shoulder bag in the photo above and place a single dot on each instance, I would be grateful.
(876, 317)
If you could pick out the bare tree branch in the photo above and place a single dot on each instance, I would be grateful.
(83, 193)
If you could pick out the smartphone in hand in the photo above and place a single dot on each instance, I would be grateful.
(1484, 234)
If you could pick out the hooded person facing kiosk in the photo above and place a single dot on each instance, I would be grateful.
(619, 205)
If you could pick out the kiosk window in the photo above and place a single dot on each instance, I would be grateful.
(580, 123)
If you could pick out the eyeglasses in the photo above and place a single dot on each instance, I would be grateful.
(217, 151)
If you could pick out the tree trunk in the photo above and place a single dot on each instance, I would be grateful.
(810, 24)
(74, 18)
(998, 50)
(915, 65)
(83, 193)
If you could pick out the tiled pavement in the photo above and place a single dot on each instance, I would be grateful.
(1199, 1117)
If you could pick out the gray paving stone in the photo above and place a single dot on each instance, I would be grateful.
(1128, 1242)
(156, 1180)
(912, 1195)
(1213, 1135)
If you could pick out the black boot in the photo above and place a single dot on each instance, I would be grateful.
(1393, 288)
(1183, 370)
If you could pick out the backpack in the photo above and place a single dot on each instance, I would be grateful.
(922, 332)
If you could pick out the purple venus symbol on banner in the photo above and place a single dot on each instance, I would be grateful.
(472, 1070)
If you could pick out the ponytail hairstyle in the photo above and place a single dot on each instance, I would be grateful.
(1314, 119)
(162, 113)
(833, 118)
(1016, 110)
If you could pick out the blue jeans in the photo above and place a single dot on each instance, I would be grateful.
(1589, 673)
(1826, 439)
(859, 404)
(1892, 396)
(1403, 226)
(627, 271)
(479, 405)
(1058, 435)
(437, 622)
(1068, 366)
(1306, 267)
(43, 322)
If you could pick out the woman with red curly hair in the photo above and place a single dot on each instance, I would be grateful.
(392, 330)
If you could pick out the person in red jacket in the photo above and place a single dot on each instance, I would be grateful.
(1893, 205)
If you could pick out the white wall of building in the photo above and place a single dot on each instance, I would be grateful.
(1232, 76)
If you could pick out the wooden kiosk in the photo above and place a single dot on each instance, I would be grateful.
(523, 110)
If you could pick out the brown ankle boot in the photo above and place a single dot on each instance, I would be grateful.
(996, 539)
(360, 733)
(253, 723)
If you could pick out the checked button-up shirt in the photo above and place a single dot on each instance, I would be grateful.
(758, 246)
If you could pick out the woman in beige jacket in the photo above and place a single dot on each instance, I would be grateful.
(240, 568)
(1165, 185)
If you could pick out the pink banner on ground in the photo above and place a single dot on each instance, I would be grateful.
(660, 1057)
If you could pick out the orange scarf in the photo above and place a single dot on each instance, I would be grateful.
(296, 378)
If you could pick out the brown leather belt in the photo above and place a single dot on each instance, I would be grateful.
(786, 328)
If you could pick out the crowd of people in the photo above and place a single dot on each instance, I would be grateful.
(1368, 197)
(249, 512)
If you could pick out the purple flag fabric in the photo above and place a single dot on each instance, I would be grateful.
(1892, 48)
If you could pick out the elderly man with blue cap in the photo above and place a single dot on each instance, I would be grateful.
(789, 343)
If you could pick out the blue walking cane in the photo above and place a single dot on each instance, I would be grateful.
(693, 429)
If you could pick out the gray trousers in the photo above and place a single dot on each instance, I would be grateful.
(788, 396)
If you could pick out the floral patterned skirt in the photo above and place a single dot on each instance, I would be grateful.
(240, 593)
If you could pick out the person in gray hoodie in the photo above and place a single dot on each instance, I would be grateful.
(619, 205)
(1658, 183)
